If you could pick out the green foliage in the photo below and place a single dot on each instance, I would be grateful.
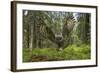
(77, 52)
(72, 52)
(26, 55)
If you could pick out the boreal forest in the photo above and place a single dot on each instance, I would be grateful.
(56, 36)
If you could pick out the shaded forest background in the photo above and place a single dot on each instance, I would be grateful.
(56, 35)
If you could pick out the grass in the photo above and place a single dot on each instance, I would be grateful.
(72, 52)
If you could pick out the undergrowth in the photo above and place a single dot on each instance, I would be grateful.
(72, 52)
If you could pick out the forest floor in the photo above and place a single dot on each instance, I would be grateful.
(72, 52)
